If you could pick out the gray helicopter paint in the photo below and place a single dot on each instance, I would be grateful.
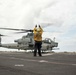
(27, 43)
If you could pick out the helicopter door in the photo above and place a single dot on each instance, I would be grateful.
(31, 43)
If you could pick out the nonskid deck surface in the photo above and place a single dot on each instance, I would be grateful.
(22, 63)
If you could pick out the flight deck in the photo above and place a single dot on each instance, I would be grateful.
(23, 63)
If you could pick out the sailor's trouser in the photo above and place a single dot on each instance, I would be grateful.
(37, 47)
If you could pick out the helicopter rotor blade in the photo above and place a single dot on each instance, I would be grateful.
(23, 30)
(19, 32)
(26, 30)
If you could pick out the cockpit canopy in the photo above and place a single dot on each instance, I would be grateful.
(29, 35)
(47, 40)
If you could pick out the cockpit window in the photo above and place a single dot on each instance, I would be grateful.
(48, 40)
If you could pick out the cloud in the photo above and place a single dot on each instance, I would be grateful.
(61, 15)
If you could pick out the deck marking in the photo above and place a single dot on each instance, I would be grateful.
(47, 54)
(74, 64)
(19, 65)
(43, 61)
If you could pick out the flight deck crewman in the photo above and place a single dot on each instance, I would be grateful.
(38, 39)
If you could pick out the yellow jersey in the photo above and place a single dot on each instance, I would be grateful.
(38, 34)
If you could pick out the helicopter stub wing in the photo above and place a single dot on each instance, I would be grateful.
(2, 35)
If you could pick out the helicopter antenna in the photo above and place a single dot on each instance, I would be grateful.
(54, 39)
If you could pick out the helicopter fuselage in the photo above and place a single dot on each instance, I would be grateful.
(27, 43)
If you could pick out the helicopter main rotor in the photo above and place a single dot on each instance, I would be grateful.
(27, 30)
(21, 30)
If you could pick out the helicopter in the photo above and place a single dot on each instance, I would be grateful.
(26, 42)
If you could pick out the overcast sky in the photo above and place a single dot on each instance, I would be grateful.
(61, 14)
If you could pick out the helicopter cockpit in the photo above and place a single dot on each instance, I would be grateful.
(47, 40)
(26, 39)
(29, 35)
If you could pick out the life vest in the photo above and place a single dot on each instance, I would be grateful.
(38, 34)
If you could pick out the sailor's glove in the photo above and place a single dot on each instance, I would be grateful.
(39, 26)
(35, 25)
